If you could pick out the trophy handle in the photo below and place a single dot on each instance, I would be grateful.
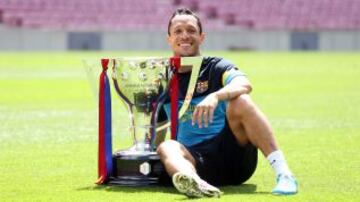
(122, 95)
(154, 117)
(127, 101)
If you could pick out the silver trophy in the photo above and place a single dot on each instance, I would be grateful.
(141, 84)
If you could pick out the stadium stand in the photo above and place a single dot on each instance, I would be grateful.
(153, 14)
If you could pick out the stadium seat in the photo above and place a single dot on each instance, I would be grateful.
(138, 14)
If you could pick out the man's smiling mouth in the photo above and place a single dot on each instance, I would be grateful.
(184, 45)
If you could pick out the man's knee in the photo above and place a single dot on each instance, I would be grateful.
(240, 107)
(168, 147)
(171, 149)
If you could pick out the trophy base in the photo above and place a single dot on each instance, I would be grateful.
(137, 168)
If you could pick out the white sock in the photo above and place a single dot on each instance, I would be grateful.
(278, 163)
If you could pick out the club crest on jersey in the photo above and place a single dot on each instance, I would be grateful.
(202, 86)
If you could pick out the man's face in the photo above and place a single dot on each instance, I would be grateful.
(185, 37)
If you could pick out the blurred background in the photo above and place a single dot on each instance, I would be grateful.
(264, 25)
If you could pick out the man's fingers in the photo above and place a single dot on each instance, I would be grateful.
(211, 114)
(206, 113)
(194, 116)
(202, 116)
(199, 116)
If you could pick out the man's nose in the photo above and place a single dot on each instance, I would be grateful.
(185, 35)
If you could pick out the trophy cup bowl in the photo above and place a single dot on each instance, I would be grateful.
(141, 83)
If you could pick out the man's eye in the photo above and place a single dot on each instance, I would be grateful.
(192, 31)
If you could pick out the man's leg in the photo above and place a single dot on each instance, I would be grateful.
(249, 124)
(180, 165)
(176, 157)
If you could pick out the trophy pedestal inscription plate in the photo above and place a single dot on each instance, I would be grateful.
(131, 169)
(142, 84)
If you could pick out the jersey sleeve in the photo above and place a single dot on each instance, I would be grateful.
(230, 74)
(227, 71)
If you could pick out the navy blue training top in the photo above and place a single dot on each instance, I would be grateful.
(214, 73)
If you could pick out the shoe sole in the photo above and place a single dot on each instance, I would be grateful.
(279, 193)
(188, 186)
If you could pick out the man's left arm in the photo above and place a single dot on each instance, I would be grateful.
(237, 86)
(204, 111)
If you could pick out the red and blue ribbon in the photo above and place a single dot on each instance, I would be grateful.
(174, 95)
(105, 146)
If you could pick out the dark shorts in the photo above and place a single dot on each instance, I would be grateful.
(222, 161)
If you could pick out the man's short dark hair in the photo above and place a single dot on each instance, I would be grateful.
(185, 11)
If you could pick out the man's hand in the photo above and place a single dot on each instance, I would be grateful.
(204, 111)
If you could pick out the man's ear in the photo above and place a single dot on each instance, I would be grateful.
(168, 39)
(202, 37)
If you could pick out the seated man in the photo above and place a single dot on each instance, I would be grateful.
(220, 133)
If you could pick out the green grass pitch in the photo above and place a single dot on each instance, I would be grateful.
(48, 127)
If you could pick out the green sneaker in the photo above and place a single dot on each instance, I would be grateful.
(194, 188)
